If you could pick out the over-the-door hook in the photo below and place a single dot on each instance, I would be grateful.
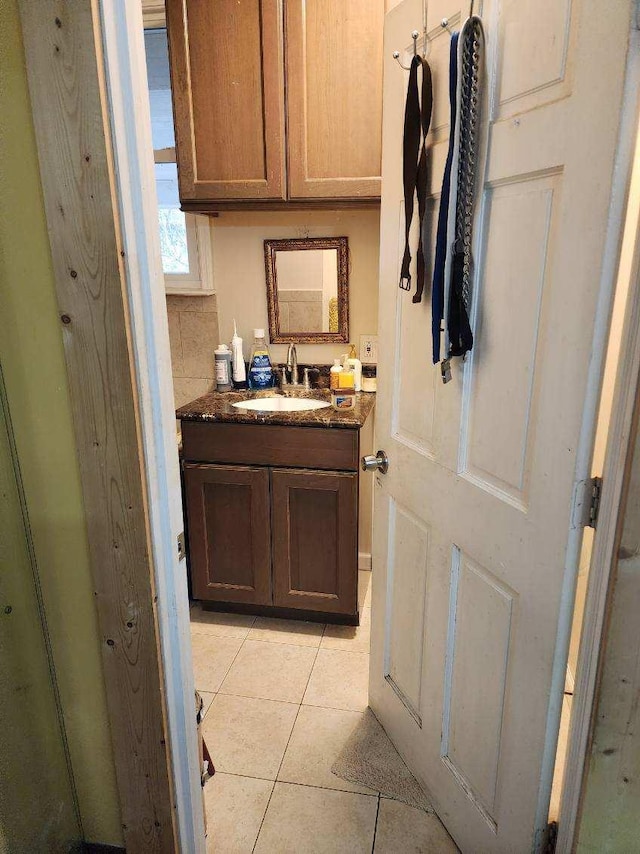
(396, 53)
(396, 56)
(471, 9)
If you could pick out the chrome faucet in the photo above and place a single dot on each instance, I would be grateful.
(292, 364)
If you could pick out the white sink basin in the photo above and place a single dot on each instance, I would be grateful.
(282, 404)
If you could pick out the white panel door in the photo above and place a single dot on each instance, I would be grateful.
(473, 543)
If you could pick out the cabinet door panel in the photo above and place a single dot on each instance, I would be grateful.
(315, 540)
(227, 82)
(229, 533)
(334, 97)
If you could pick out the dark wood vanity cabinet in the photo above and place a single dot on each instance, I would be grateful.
(314, 524)
(264, 535)
(229, 532)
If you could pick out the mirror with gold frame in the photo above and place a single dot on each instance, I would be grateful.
(308, 290)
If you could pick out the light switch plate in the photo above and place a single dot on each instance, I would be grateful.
(369, 349)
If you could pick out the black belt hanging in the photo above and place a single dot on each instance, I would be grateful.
(417, 118)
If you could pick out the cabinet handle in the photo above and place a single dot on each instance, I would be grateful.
(379, 462)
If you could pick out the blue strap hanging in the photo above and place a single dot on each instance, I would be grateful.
(437, 296)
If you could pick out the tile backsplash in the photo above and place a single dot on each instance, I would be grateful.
(193, 335)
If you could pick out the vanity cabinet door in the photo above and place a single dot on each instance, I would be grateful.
(333, 56)
(227, 81)
(229, 533)
(315, 540)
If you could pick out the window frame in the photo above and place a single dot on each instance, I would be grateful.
(199, 280)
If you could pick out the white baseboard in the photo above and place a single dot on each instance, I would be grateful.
(364, 561)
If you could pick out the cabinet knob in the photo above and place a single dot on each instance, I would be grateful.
(380, 462)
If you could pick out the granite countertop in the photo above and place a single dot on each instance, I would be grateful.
(218, 406)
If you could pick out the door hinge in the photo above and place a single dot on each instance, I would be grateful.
(181, 546)
(594, 502)
(586, 502)
(552, 837)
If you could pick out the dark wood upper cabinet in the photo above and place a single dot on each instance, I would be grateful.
(229, 532)
(227, 81)
(315, 540)
(240, 141)
(334, 97)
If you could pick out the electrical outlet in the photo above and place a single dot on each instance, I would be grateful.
(369, 349)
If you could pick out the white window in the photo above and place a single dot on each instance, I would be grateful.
(185, 241)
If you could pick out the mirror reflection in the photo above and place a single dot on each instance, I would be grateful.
(307, 289)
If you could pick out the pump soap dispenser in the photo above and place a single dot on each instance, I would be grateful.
(260, 369)
(354, 362)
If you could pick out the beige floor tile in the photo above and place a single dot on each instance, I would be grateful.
(220, 624)
(207, 699)
(364, 588)
(317, 821)
(295, 632)
(235, 807)
(351, 638)
(316, 741)
(339, 680)
(212, 657)
(248, 736)
(405, 829)
(272, 671)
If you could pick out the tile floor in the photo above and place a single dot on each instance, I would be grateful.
(281, 699)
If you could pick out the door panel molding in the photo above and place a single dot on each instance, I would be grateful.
(408, 563)
(496, 381)
(487, 690)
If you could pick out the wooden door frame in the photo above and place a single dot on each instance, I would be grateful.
(618, 454)
(87, 79)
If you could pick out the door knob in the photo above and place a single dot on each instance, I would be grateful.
(379, 462)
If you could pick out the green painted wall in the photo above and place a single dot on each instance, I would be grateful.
(32, 359)
(34, 816)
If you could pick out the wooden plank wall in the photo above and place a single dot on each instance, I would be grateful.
(69, 109)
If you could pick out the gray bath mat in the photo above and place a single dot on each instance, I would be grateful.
(370, 759)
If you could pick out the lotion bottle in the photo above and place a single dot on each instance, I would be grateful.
(239, 372)
(354, 362)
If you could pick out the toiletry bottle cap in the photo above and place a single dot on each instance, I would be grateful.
(258, 333)
(222, 348)
(352, 351)
(337, 362)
